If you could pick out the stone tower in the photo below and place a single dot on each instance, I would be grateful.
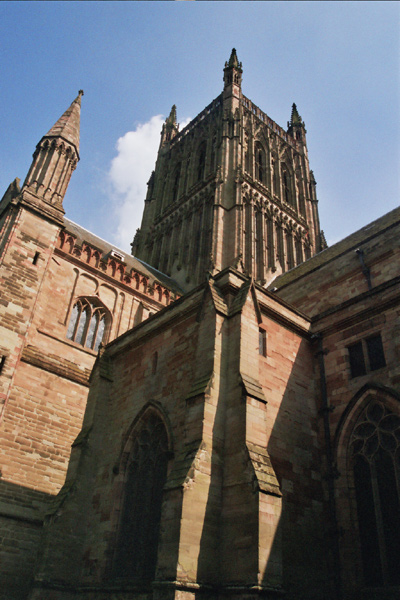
(231, 189)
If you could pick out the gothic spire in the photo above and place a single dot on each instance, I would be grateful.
(68, 125)
(55, 158)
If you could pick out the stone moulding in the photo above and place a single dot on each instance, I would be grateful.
(56, 365)
(263, 470)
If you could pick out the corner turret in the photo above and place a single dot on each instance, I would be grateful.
(54, 160)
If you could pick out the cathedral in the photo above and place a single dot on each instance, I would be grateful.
(217, 415)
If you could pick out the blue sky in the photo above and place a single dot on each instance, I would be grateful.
(339, 61)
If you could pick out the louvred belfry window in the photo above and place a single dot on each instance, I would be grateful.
(375, 456)
(88, 323)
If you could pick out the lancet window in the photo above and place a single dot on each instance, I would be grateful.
(375, 459)
(89, 323)
(260, 163)
(146, 473)
(175, 187)
(286, 186)
(201, 161)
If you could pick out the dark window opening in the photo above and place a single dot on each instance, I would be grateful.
(370, 348)
(376, 356)
(262, 342)
(375, 444)
(286, 188)
(201, 163)
(35, 258)
(175, 187)
(2, 363)
(136, 554)
(260, 163)
(356, 356)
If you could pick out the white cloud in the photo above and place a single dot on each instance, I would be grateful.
(129, 173)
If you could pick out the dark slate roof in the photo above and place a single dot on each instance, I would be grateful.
(83, 235)
(349, 243)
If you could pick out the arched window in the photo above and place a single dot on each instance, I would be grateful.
(88, 323)
(175, 187)
(375, 459)
(286, 186)
(146, 474)
(260, 163)
(201, 161)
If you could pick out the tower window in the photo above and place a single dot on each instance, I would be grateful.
(286, 187)
(88, 323)
(175, 187)
(260, 163)
(201, 162)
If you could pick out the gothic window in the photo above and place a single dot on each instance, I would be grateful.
(88, 323)
(260, 163)
(286, 186)
(146, 473)
(375, 459)
(175, 187)
(201, 161)
(299, 251)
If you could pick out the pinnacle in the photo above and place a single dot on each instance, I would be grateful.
(172, 115)
(295, 117)
(68, 125)
(233, 61)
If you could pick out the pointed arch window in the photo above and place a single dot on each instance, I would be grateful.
(146, 474)
(286, 186)
(375, 457)
(175, 187)
(88, 323)
(201, 161)
(260, 163)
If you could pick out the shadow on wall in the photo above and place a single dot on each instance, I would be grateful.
(238, 549)
(21, 522)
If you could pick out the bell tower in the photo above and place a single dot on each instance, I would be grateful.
(232, 189)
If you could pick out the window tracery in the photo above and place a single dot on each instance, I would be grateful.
(375, 459)
(88, 323)
(146, 473)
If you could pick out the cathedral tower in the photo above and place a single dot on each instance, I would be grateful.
(231, 189)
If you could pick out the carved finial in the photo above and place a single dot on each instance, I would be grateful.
(81, 93)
